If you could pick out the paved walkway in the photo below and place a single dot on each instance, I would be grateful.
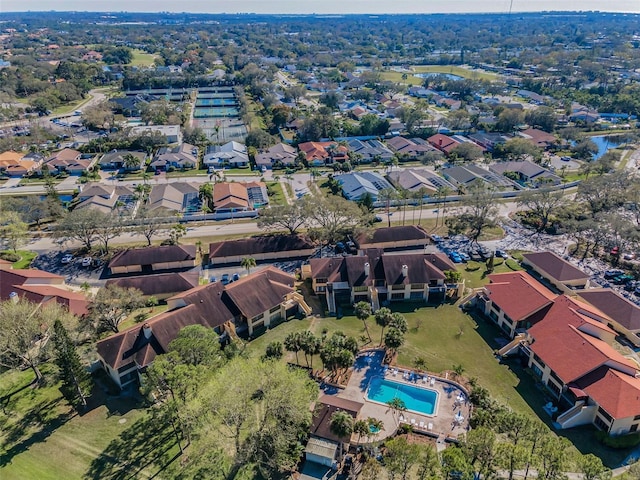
(441, 424)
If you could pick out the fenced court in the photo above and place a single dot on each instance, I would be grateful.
(216, 102)
(222, 130)
(216, 112)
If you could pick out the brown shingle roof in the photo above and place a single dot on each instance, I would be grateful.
(261, 244)
(618, 308)
(161, 284)
(260, 292)
(152, 255)
(325, 408)
(558, 268)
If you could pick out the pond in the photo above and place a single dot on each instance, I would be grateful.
(449, 76)
(605, 143)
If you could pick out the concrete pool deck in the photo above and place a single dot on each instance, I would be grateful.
(443, 423)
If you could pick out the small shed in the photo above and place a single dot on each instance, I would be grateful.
(321, 451)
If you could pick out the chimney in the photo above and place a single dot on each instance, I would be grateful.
(405, 271)
(146, 329)
(367, 269)
(440, 142)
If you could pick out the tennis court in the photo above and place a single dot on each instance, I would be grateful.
(215, 112)
(216, 102)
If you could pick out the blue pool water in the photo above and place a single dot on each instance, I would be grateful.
(416, 399)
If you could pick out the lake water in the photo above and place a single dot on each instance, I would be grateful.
(450, 76)
(604, 143)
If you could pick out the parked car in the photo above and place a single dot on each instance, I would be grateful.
(501, 254)
(213, 279)
(86, 261)
(340, 247)
(464, 256)
(455, 258)
(622, 279)
(377, 219)
(68, 258)
(612, 273)
(224, 279)
(629, 256)
(235, 277)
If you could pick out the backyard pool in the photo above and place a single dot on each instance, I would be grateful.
(416, 399)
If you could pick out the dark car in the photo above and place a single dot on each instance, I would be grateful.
(501, 254)
(340, 247)
(612, 274)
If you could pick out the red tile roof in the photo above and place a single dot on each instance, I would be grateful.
(518, 294)
(443, 142)
(615, 392)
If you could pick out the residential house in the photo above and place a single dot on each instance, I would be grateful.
(321, 153)
(412, 148)
(464, 176)
(231, 154)
(14, 164)
(624, 314)
(161, 285)
(280, 155)
(237, 196)
(40, 287)
(183, 156)
(106, 197)
(117, 159)
(538, 137)
(556, 271)
(67, 160)
(153, 259)
(260, 248)
(489, 140)
(394, 238)
(526, 172)
(131, 105)
(377, 278)
(172, 133)
(324, 445)
(370, 150)
(249, 303)
(416, 180)
(357, 184)
(174, 197)
(443, 143)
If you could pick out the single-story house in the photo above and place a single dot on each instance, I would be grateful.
(171, 132)
(153, 259)
(117, 159)
(463, 176)
(105, 197)
(370, 150)
(161, 285)
(557, 271)
(280, 155)
(538, 137)
(251, 302)
(67, 160)
(412, 147)
(231, 154)
(375, 277)
(527, 172)
(392, 238)
(181, 156)
(489, 140)
(320, 153)
(357, 184)
(170, 198)
(415, 180)
(237, 196)
(16, 164)
(443, 143)
(264, 247)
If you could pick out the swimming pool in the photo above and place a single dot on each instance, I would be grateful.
(419, 400)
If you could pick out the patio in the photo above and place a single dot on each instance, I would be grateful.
(451, 416)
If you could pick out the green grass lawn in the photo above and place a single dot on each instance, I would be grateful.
(187, 173)
(455, 70)
(142, 59)
(26, 257)
(41, 438)
(278, 195)
(396, 77)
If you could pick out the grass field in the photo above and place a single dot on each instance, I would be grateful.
(397, 77)
(42, 438)
(142, 59)
(26, 257)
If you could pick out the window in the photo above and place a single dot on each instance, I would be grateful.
(397, 287)
(605, 414)
(433, 283)
(637, 417)
(257, 317)
(417, 286)
(556, 378)
(634, 428)
(362, 288)
(274, 309)
(496, 307)
(321, 281)
(397, 296)
(598, 422)
(416, 295)
(538, 360)
(554, 388)
(321, 289)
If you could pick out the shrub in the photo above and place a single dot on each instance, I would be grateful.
(621, 442)
(10, 257)
(512, 264)
(472, 266)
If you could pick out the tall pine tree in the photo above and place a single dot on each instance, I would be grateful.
(76, 383)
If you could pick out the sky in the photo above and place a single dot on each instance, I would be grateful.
(322, 7)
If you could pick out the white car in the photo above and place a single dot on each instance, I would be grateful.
(86, 262)
(67, 258)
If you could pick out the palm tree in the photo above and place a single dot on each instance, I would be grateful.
(458, 370)
(403, 194)
(363, 312)
(421, 194)
(248, 263)
(341, 425)
(397, 405)
(131, 162)
(205, 192)
(292, 344)
(441, 194)
(383, 318)
(374, 425)
(386, 195)
(361, 428)
(310, 345)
